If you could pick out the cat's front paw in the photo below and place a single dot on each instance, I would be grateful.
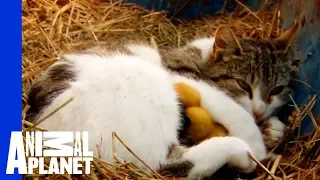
(210, 155)
(273, 132)
(239, 157)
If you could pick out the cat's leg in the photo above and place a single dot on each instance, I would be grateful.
(206, 158)
(273, 131)
(229, 114)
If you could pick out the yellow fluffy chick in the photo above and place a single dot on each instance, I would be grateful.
(202, 126)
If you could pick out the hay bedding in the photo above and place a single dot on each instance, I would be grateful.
(51, 27)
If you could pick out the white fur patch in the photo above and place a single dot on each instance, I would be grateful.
(273, 107)
(246, 103)
(206, 47)
(258, 105)
(147, 53)
(274, 132)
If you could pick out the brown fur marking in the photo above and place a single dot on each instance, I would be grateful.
(52, 83)
(179, 169)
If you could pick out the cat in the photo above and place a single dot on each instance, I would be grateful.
(123, 91)
(129, 90)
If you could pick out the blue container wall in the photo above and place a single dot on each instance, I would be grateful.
(306, 46)
(192, 9)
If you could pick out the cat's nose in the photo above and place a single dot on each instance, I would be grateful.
(258, 115)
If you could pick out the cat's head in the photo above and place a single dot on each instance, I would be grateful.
(256, 73)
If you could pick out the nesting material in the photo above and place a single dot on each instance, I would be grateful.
(52, 27)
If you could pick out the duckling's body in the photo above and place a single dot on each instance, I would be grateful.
(202, 125)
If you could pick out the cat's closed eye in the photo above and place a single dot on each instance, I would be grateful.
(245, 86)
(276, 90)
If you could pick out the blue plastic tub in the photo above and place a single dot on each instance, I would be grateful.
(306, 46)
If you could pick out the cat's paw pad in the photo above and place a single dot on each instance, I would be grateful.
(240, 159)
(273, 132)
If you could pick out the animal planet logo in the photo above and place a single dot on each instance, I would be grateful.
(70, 157)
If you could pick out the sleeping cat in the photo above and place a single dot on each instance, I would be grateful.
(129, 90)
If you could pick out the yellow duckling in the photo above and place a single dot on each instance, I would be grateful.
(202, 126)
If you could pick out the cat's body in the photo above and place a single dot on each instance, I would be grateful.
(130, 91)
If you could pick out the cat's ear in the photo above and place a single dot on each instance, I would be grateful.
(285, 39)
(224, 39)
